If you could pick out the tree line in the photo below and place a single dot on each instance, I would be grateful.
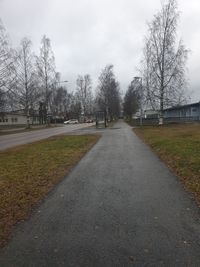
(163, 66)
(31, 83)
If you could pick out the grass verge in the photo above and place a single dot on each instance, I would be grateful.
(179, 147)
(29, 172)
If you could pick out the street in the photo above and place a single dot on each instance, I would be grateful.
(10, 140)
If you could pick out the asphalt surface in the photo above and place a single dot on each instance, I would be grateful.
(120, 206)
(10, 140)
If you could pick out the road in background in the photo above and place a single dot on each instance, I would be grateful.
(11, 140)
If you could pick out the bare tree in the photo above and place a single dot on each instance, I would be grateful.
(114, 100)
(131, 100)
(26, 81)
(164, 60)
(6, 66)
(46, 70)
(84, 93)
(108, 93)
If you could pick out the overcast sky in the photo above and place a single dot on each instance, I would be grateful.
(88, 34)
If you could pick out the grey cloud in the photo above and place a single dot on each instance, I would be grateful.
(88, 34)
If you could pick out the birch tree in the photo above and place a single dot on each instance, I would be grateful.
(164, 61)
(7, 74)
(84, 93)
(46, 70)
(26, 80)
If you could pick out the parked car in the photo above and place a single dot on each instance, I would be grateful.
(72, 121)
(89, 120)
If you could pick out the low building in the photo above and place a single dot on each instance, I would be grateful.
(12, 119)
(187, 112)
(16, 118)
(178, 114)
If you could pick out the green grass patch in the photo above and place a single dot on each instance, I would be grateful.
(29, 172)
(179, 147)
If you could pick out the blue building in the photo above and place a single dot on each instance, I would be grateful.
(187, 112)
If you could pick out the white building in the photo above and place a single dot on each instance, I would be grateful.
(16, 118)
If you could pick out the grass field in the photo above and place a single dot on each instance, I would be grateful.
(179, 147)
(29, 172)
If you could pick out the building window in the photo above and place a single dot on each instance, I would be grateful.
(194, 110)
(14, 120)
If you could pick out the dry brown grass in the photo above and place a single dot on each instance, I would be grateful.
(179, 147)
(29, 172)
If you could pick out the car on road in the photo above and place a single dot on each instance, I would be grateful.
(89, 121)
(72, 121)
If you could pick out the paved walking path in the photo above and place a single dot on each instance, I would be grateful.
(120, 206)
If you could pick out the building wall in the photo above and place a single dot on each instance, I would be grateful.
(184, 112)
(12, 119)
(195, 111)
(16, 119)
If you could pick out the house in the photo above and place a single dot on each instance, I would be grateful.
(16, 118)
(187, 112)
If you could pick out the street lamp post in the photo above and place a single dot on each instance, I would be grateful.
(139, 79)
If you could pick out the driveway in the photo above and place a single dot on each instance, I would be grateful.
(120, 206)
(10, 140)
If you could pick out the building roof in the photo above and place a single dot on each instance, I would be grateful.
(197, 104)
(13, 113)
